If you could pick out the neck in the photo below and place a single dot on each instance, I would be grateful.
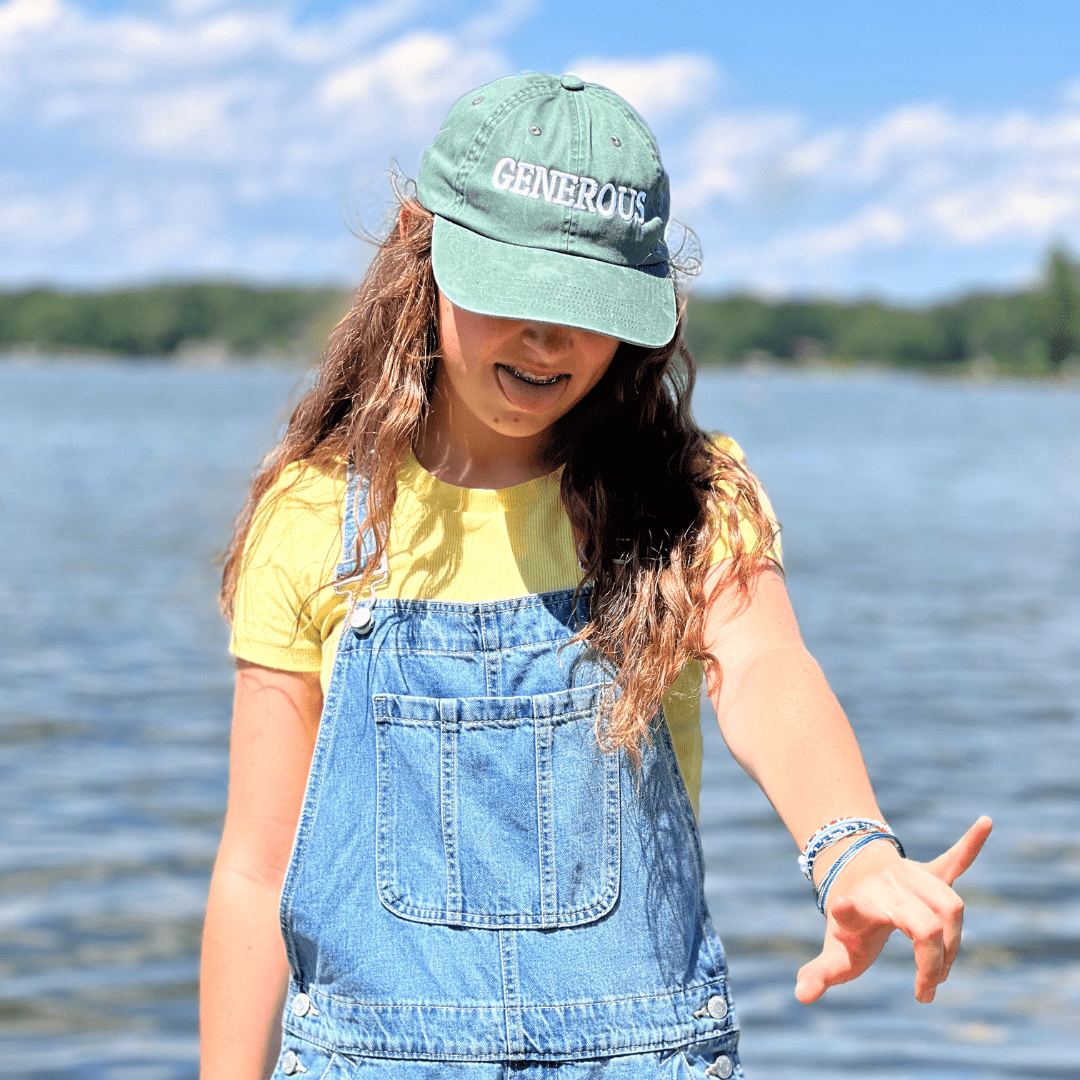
(468, 454)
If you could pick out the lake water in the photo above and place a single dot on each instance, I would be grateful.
(932, 540)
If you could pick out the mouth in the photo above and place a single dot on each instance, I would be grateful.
(528, 392)
(531, 380)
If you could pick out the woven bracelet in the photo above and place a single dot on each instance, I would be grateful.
(832, 833)
(821, 893)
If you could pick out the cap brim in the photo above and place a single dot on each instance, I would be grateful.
(634, 304)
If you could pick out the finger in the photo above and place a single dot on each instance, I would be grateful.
(929, 964)
(831, 967)
(928, 912)
(924, 927)
(948, 909)
(952, 863)
(912, 915)
(952, 920)
(852, 944)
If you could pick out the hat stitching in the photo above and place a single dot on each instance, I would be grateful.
(569, 229)
(643, 130)
(659, 250)
(538, 90)
(594, 301)
(636, 120)
(483, 137)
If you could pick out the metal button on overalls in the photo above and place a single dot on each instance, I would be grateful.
(723, 1067)
(717, 1007)
(290, 1064)
(362, 620)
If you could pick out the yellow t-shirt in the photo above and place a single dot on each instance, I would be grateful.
(446, 543)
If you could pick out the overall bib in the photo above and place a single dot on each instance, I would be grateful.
(476, 890)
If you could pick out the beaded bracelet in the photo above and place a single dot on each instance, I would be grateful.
(821, 893)
(831, 833)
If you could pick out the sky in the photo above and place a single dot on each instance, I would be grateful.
(911, 150)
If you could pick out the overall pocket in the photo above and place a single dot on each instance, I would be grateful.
(496, 812)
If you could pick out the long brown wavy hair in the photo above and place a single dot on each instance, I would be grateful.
(647, 494)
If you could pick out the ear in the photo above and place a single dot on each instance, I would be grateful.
(406, 216)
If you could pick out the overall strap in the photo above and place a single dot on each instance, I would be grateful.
(353, 512)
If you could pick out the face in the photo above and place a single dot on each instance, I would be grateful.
(512, 376)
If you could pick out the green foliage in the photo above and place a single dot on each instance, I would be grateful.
(1019, 331)
(1059, 308)
(1026, 332)
(158, 320)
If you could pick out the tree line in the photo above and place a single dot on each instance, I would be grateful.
(1029, 331)
(1026, 331)
(159, 320)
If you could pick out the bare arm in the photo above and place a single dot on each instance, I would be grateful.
(244, 970)
(785, 727)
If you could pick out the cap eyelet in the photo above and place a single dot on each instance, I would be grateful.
(477, 100)
(615, 141)
(534, 130)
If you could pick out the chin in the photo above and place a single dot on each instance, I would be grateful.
(521, 428)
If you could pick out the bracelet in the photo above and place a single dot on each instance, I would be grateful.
(822, 892)
(829, 834)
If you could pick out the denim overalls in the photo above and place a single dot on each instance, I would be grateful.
(475, 889)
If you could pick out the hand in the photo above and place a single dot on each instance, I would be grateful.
(888, 893)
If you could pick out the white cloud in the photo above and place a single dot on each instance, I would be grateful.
(211, 82)
(19, 17)
(27, 217)
(986, 212)
(272, 116)
(730, 157)
(777, 201)
(410, 77)
(656, 86)
(872, 226)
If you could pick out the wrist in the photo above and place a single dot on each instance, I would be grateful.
(836, 844)
(869, 860)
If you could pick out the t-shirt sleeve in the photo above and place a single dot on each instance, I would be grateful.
(288, 563)
(721, 549)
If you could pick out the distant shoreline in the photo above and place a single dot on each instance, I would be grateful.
(1027, 334)
(764, 367)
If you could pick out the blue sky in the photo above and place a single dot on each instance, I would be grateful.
(911, 150)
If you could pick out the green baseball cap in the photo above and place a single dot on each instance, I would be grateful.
(550, 203)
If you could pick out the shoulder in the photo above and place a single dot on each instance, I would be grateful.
(303, 491)
(297, 522)
(289, 557)
(725, 449)
(740, 492)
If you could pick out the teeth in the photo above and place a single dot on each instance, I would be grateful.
(532, 379)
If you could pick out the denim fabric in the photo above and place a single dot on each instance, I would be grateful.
(474, 884)
(312, 1062)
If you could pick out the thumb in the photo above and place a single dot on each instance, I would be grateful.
(834, 964)
(951, 864)
(829, 967)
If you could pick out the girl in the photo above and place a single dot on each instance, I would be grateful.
(472, 593)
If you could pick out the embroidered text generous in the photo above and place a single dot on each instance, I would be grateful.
(565, 189)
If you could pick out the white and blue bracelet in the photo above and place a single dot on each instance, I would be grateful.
(867, 829)
(821, 893)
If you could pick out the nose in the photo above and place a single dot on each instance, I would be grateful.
(548, 339)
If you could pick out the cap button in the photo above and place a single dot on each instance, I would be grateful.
(571, 82)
